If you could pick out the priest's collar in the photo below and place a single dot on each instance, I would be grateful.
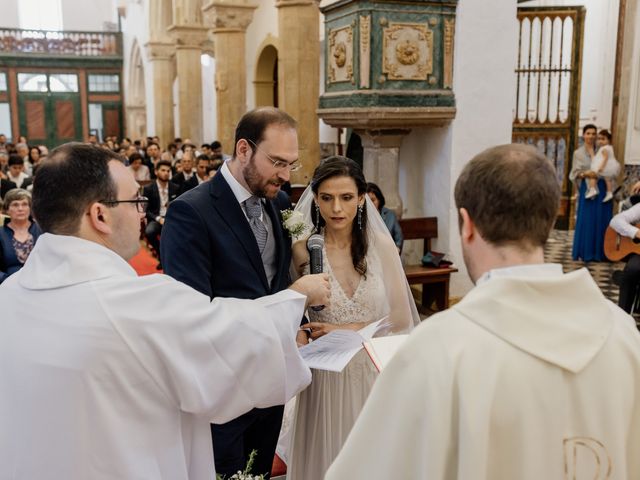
(528, 271)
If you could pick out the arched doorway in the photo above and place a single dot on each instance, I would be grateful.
(136, 110)
(266, 80)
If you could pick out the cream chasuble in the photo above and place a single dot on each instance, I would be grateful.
(526, 378)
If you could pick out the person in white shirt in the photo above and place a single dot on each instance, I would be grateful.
(16, 172)
(625, 224)
(532, 375)
(201, 175)
(140, 172)
(22, 150)
(107, 374)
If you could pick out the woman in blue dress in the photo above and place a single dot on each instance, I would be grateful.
(594, 215)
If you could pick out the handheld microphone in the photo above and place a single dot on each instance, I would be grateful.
(315, 244)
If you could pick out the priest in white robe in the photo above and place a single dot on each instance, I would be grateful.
(532, 375)
(107, 375)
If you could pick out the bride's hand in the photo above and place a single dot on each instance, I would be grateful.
(318, 329)
(302, 338)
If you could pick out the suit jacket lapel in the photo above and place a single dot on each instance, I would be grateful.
(231, 212)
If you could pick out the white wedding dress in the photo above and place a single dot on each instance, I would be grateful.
(328, 408)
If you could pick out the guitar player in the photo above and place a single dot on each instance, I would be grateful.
(624, 223)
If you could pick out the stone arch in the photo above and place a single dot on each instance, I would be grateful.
(266, 77)
(135, 106)
(136, 76)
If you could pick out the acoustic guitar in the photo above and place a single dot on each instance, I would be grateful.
(617, 247)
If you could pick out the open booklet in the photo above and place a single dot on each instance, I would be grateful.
(335, 350)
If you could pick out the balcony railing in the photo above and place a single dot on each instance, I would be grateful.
(15, 41)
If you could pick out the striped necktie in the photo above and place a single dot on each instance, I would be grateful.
(253, 206)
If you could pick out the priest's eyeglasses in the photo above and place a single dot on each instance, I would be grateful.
(279, 164)
(141, 203)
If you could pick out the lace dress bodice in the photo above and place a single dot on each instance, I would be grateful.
(367, 304)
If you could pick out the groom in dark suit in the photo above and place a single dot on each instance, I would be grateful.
(231, 231)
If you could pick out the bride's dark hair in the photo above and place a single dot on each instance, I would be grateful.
(337, 166)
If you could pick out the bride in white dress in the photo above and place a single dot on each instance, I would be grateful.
(367, 283)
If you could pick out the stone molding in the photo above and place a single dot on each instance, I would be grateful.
(365, 51)
(159, 50)
(296, 3)
(385, 118)
(228, 17)
(449, 32)
(193, 36)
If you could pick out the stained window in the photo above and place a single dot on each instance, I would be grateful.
(32, 82)
(63, 82)
(104, 82)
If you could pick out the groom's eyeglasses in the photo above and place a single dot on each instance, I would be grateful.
(141, 203)
(279, 164)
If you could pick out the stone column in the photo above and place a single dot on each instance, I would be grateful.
(299, 76)
(189, 40)
(381, 151)
(624, 79)
(229, 20)
(160, 55)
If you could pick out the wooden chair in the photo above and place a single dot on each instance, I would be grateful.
(434, 280)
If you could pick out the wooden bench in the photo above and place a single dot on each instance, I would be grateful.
(434, 281)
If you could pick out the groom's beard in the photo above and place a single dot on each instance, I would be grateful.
(257, 184)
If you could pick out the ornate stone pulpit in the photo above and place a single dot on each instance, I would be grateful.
(388, 68)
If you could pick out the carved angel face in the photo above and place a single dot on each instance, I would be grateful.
(407, 53)
(340, 54)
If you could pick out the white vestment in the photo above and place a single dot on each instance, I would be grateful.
(526, 378)
(107, 375)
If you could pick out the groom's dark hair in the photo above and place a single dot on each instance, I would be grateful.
(253, 124)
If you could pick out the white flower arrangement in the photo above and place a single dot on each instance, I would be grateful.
(244, 475)
(293, 222)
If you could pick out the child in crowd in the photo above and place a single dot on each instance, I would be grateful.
(604, 163)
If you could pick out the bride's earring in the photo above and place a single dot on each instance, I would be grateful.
(360, 217)
(317, 217)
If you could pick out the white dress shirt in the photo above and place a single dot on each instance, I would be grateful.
(624, 222)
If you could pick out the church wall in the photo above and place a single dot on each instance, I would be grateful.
(600, 30)
(76, 14)
(135, 27)
(632, 151)
(431, 159)
(209, 124)
(262, 30)
(10, 17)
(88, 15)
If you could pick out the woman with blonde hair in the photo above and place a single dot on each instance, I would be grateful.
(19, 233)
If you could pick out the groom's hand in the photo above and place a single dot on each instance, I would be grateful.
(314, 287)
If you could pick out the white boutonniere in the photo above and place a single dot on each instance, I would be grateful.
(293, 222)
